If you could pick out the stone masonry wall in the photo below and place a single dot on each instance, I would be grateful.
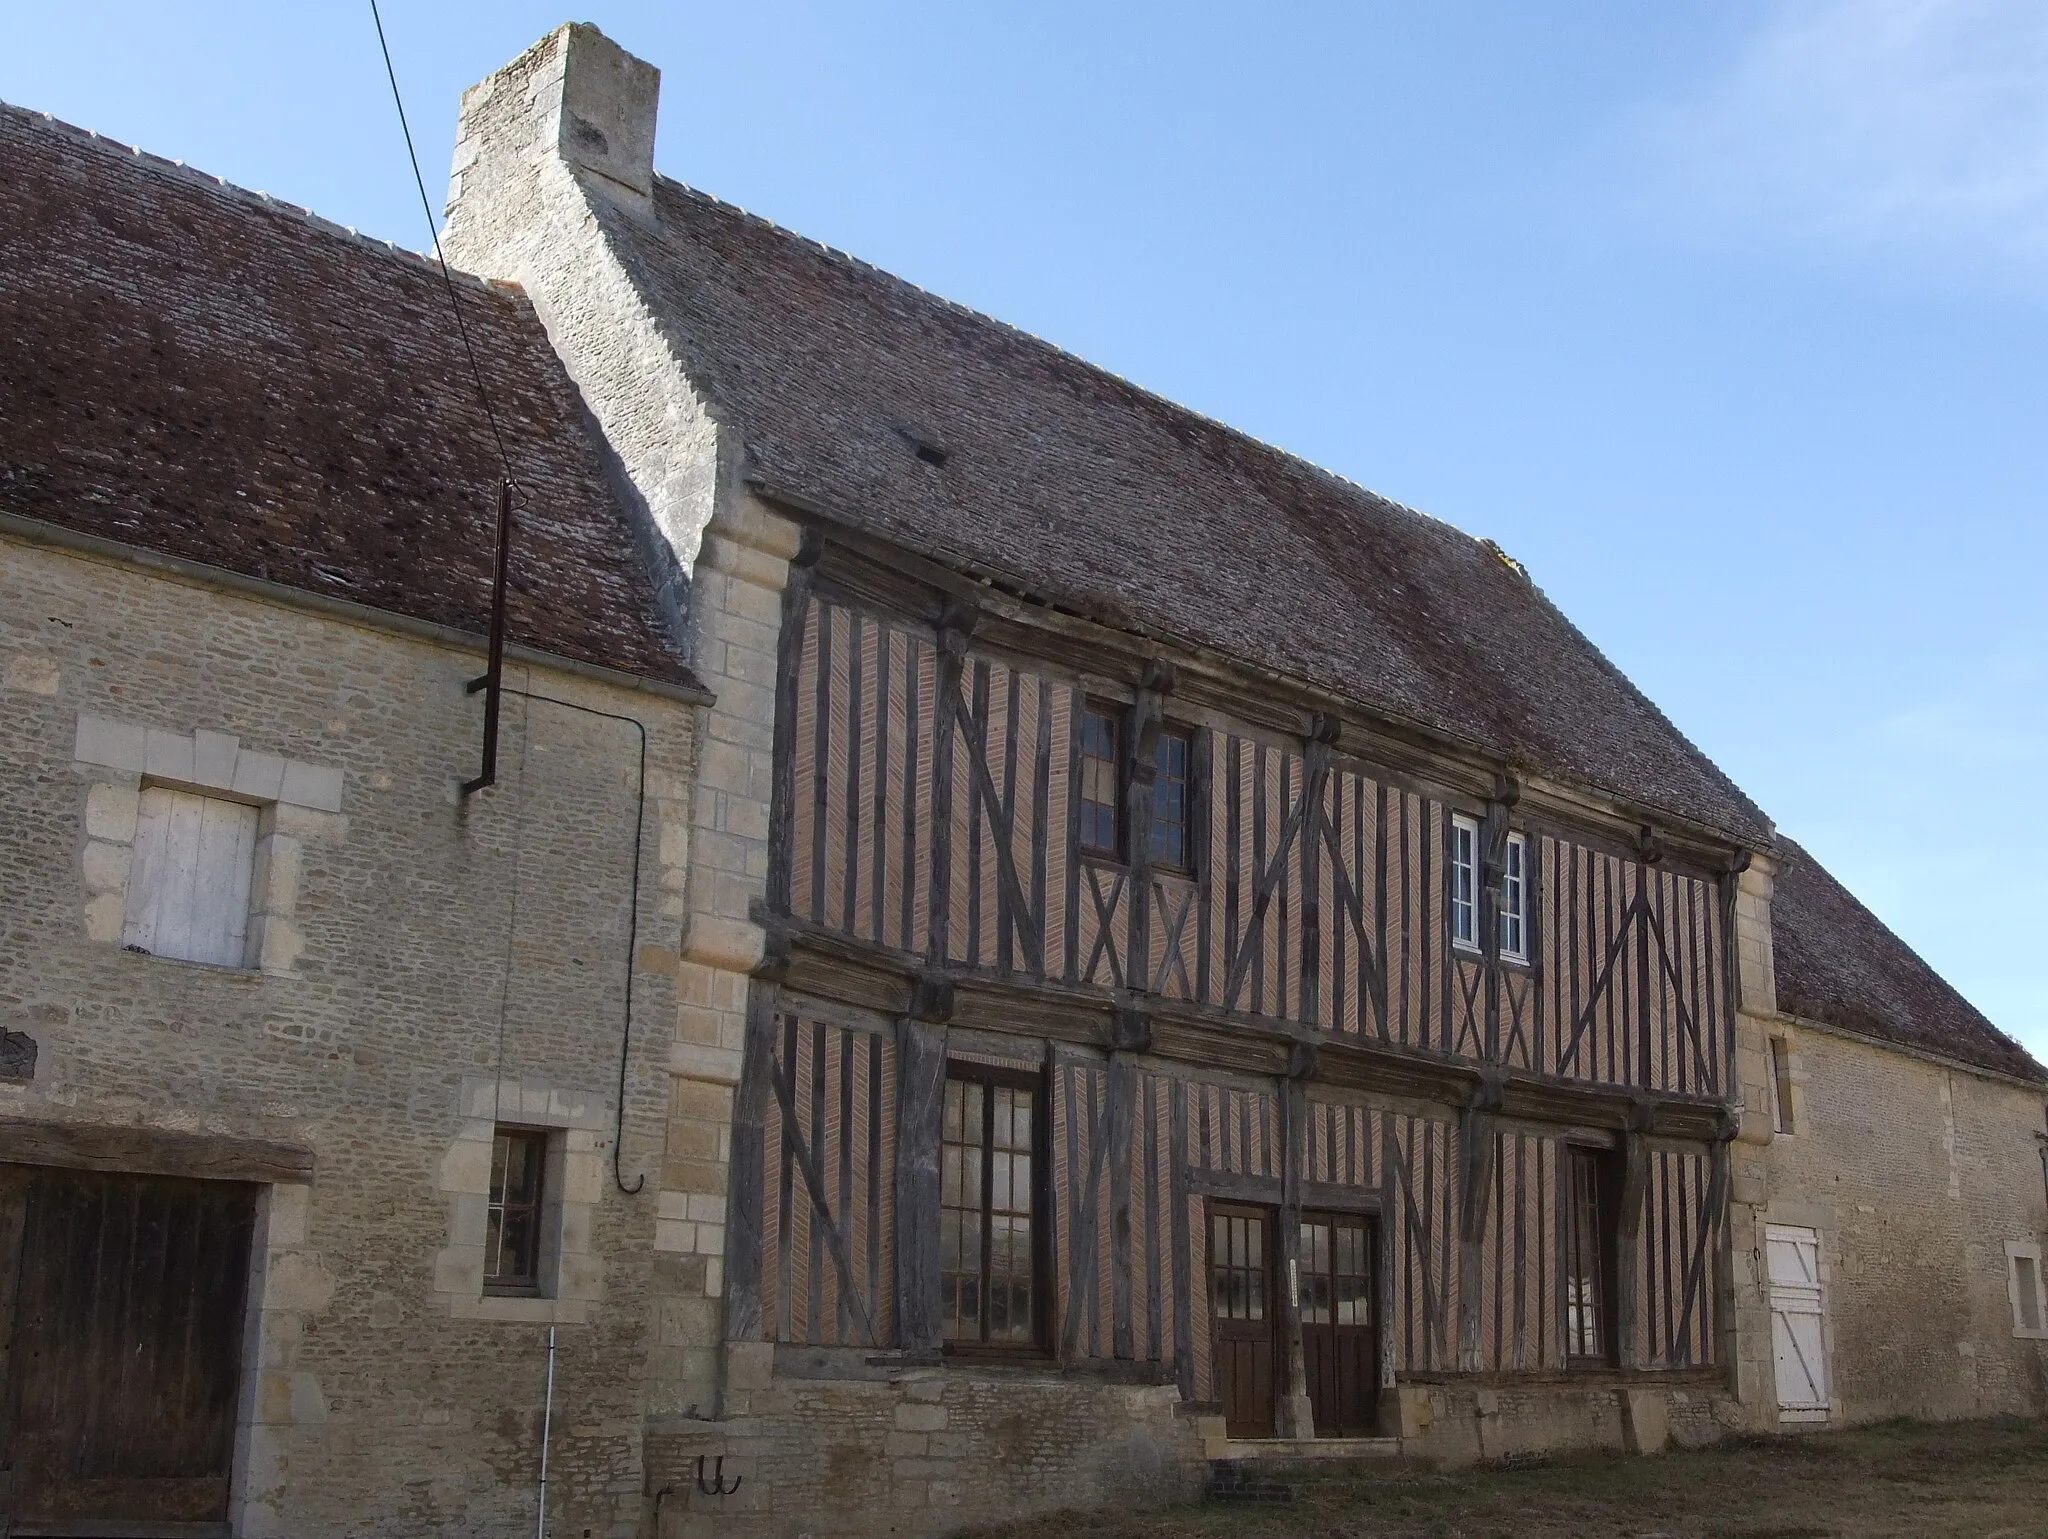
(922, 1451)
(453, 963)
(1914, 1173)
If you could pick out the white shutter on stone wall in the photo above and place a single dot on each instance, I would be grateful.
(1798, 1340)
(188, 889)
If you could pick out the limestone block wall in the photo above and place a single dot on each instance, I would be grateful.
(1915, 1173)
(452, 962)
(915, 1452)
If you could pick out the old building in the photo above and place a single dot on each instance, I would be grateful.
(311, 1124)
(1891, 1180)
(1026, 948)
(1198, 960)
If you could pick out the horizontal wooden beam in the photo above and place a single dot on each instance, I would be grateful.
(153, 1151)
(833, 966)
(900, 584)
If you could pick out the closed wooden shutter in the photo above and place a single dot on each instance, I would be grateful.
(188, 889)
(1798, 1340)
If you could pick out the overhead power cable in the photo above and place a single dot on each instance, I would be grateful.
(447, 279)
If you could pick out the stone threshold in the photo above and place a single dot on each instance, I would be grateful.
(1298, 1450)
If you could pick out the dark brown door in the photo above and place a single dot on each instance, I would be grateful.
(1339, 1330)
(122, 1329)
(1241, 1316)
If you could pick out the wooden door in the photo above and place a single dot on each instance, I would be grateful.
(1798, 1340)
(122, 1326)
(1242, 1310)
(1338, 1268)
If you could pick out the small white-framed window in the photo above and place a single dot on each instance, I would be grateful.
(188, 889)
(2023, 1286)
(1514, 899)
(1464, 882)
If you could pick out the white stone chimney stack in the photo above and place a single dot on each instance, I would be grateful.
(574, 95)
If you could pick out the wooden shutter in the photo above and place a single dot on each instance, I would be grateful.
(122, 1325)
(188, 890)
(1798, 1343)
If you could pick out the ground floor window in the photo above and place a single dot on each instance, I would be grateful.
(512, 1235)
(1592, 1181)
(989, 1265)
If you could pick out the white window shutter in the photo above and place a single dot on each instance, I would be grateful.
(188, 889)
(1798, 1336)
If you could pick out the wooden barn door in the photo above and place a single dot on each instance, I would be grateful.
(1242, 1311)
(1798, 1338)
(1339, 1330)
(121, 1306)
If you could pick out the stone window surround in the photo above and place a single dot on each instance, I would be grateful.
(2031, 1249)
(297, 800)
(571, 1275)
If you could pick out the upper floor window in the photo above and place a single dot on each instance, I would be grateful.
(1101, 757)
(1173, 844)
(1511, 901)
(188, 890)
(989, 1293)
(1514, 899)
(1464, 882)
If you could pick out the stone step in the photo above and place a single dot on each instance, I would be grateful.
(1231, 1480)
(1307, 1450)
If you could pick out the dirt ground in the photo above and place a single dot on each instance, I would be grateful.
(1983, 1479)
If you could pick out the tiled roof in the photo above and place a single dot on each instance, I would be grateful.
(199, 371)
(1838, 964)
(1097, 495)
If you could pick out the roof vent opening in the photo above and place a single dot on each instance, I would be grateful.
(923, 446)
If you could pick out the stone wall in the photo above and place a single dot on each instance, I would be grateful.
(1914, 1173)
(919, 1451)
(451, 963)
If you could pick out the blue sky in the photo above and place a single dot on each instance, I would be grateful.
(1726, 319)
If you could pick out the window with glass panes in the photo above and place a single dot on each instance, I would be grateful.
(512, 1225)
(1464, 875)
(988, 1253)
(1589, 1255)
(1237, 1266)
(1101, 783)
(1514, 899)
(1173, 842)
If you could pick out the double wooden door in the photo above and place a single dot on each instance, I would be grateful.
(121, 1313)
(1338, 1272)
(1335, 1271)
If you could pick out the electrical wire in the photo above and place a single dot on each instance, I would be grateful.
(447, 279)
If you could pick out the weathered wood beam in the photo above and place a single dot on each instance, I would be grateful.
(837, 967)
(823, 1220)
(909, 586)
(154, 1152)
(920, 1106)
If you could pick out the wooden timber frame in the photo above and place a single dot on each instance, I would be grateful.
(1287, 1025)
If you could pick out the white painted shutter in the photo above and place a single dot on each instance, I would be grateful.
(188, 889)
(1798, 1345)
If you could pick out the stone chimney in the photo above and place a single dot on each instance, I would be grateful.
(576, 96)
(554, 153)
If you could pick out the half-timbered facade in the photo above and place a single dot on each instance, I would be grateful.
(1184, 958)
(1264, 972)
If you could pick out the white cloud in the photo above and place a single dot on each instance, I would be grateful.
(1913, 125)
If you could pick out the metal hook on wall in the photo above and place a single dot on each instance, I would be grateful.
(716, 1485)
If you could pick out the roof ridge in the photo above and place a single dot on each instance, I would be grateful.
(220, 187)
(1144, 392)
